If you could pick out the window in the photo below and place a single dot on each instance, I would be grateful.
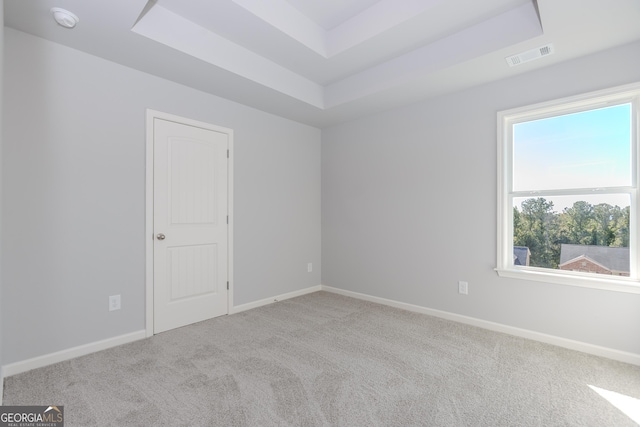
(568, 191)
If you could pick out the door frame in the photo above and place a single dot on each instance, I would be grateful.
(149, 236)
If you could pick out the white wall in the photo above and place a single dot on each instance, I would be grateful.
(409, 208)
(74, 195)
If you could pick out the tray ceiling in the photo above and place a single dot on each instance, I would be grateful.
(326, 62)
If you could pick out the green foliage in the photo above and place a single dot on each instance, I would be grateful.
(542, 230)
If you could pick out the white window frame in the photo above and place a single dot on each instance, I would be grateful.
(506, 120)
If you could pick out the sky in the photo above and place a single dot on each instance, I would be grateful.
(590, 149)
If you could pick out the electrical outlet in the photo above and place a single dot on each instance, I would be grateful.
(114, 302)
(463, 287)
(309, 268)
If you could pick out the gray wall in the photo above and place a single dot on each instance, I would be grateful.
(408, 201)
(74, 195)
(1, 97)
(409, 208)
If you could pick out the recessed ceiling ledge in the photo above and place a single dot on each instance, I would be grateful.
(163, 26)
(509, 28)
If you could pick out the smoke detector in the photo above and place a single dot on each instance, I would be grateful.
(530, 55)
(64, 17)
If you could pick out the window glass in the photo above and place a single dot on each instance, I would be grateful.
(581, 150)
(573, 233)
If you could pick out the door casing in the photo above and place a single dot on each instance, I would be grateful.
(149, 232)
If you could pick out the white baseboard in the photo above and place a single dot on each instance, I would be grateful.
(266, 301)
(596, 350)
(62, 355)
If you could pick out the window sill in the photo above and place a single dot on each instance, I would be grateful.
(617, 284)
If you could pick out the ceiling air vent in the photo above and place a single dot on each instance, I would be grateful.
(530, 55)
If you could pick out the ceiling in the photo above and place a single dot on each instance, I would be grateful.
(326, 62)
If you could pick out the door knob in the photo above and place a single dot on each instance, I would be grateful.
(160, 236)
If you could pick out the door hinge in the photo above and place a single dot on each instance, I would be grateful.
(227, 285)
(227, 154)
(227, 219)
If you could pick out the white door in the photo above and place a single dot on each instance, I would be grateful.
(190, 224)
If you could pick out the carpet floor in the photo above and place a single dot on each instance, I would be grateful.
(328, 360)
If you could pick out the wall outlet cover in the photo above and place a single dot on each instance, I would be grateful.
(463, 287)
(114, 302)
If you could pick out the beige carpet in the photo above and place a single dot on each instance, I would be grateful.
(328, 360)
